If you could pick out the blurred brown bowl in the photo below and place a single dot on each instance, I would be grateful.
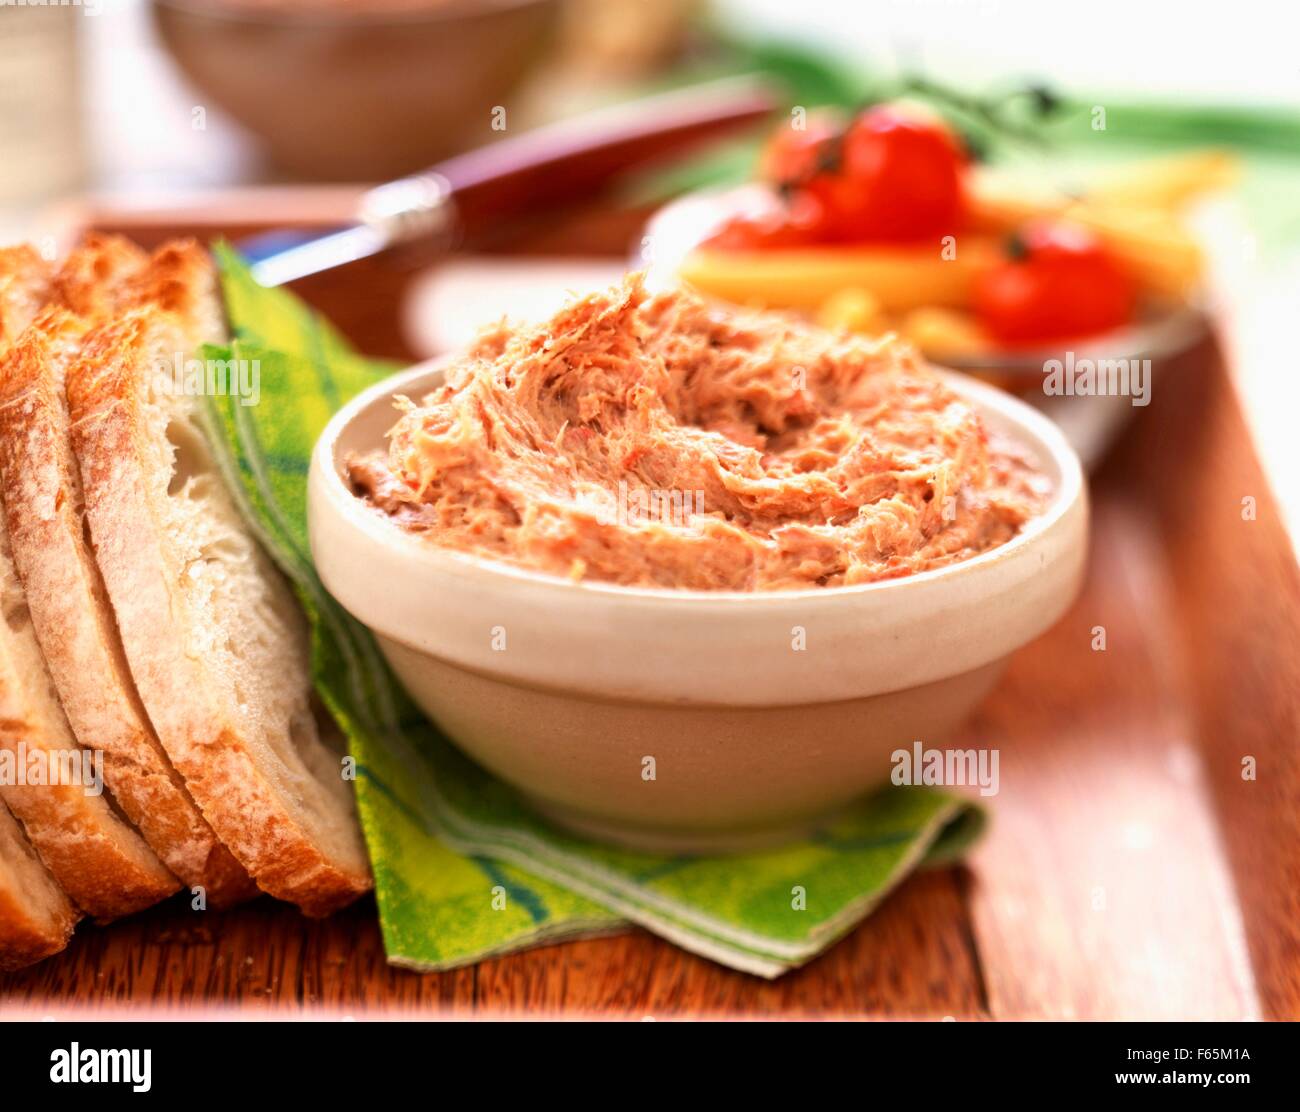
(346, 94)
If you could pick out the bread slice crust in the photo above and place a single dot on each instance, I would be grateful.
(89, 281)
(293, 832)
(24, 287)
(36, 917)
(74, 624)
(102, 864)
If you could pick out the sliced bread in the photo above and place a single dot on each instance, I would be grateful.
(36, 917)
(102, 864)
(70, 611)
(214, 639)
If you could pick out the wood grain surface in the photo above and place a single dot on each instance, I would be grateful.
(1231, 572)
(1130, 871)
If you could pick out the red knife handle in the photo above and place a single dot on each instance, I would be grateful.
(573, 160)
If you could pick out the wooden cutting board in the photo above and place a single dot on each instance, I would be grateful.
(1130, 871)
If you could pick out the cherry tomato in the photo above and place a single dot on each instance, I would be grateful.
(1059, 281)
(897, 179)
(793, 154)
(798, 222)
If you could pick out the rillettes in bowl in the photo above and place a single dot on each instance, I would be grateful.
(690, 721)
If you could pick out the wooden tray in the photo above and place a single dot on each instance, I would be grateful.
(1131, 871)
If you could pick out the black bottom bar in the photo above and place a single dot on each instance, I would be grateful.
(378, 1061)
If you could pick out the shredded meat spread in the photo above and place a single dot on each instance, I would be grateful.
(663, 441)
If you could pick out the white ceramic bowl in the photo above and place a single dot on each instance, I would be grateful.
(573, 691)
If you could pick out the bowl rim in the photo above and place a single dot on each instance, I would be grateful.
(1030, 428)
(343, 18)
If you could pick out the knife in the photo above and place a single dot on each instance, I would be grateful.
(460, 200)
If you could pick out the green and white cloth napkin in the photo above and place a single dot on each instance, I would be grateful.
(463, 869)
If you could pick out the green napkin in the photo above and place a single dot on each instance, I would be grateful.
(463, 869)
